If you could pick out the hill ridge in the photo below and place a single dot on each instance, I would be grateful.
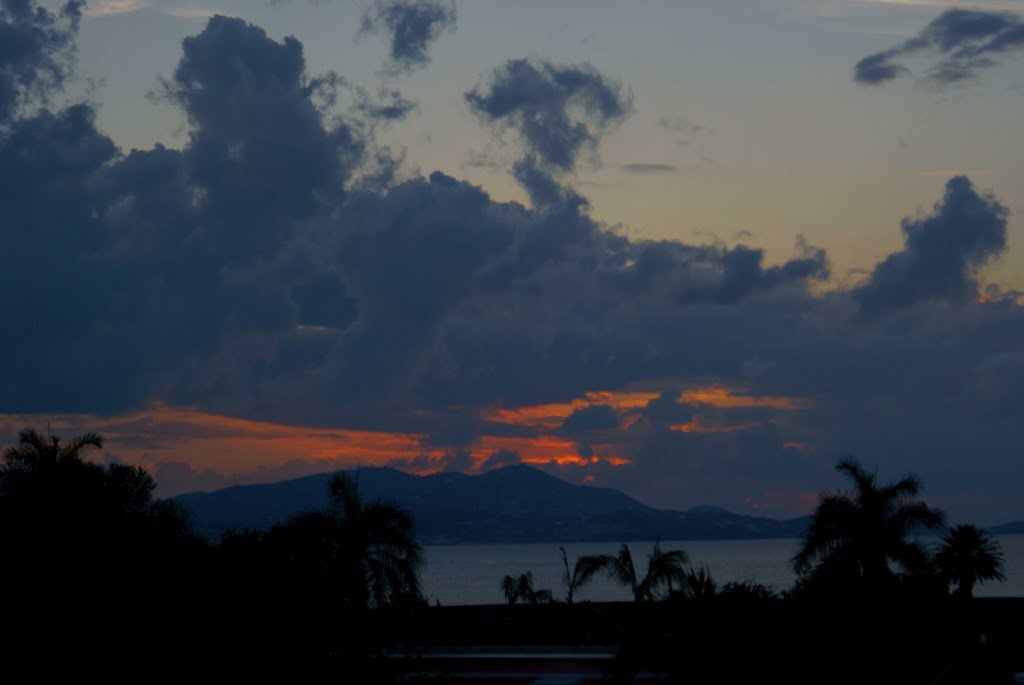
(516, 503)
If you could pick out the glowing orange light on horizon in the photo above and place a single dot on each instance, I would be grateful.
(257, 449)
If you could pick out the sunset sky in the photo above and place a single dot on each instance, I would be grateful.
(695, 250)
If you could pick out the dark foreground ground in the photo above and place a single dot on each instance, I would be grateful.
(719, 641)
(711, 641)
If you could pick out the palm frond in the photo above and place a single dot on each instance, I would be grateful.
(851, 467)
(70, 450)
(908, 486)
(919, 515)
(586, 568)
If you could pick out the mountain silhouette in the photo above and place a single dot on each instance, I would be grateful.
(511, 504)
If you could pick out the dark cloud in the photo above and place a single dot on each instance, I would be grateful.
(36, 47)
(500, 459)
(559, 112)
(595, 417)
(454, 429)
(274, 268)
(411, 26)
(174, 477)
(649, 168)
(943, 252)
(666, 409)
(252, 106)
(453, 461)
(388, 106)
(965, 42)
(877, 69)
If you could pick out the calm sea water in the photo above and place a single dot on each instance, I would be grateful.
(471, 574)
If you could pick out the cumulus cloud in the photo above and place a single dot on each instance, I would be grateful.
(274, 268)
(36, 47)
(964, 41)
(943, 252)
(411, 27)
(558, 112)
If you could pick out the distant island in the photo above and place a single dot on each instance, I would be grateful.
(515, 504)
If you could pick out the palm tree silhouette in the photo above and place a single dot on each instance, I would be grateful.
(967, 556)
(854, 536)
(515, 589)
(374, 545)
(510, 588)
(582, 573)
(664, 571)
(50, 478)
(34, 453)
(699, 585)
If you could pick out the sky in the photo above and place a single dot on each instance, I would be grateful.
(693, 251)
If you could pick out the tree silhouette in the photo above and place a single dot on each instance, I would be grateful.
(699, 585)
(855, 536)
(353, 553)
(665, 570)
(370, 548)
(582, 573)
(747, 590)
(33, 453)
(967, 556)
(521, 588)
(510, 588)
(62, 515)
(49, 495)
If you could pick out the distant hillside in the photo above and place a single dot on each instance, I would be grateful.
(513, 504)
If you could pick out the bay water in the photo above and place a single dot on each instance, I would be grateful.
(471, 574)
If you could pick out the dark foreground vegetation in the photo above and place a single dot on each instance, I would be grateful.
(100, 578)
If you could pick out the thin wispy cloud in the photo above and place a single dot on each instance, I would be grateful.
(962, 42)
(947, 173)
(964, 4)
(175, 8)
(106, 8)
(649, 168)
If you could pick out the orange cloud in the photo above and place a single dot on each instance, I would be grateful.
(696, 426)
(722, 397)
(226, 444)
(242, 447)
(551, 416)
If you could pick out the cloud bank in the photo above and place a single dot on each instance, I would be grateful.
(270, 271)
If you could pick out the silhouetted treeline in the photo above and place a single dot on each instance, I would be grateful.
(98, 573)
